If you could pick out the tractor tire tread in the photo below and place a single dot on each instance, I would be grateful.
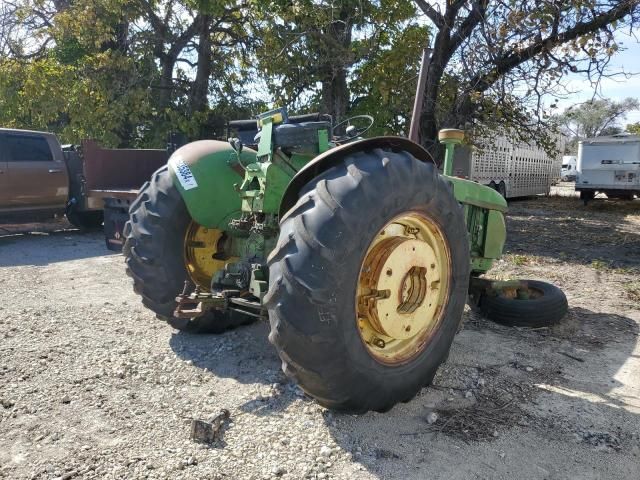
(158, 220)
(303, 302)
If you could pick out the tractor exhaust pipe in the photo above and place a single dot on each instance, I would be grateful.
(414, 129)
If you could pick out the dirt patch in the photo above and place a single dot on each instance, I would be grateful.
(494, 401)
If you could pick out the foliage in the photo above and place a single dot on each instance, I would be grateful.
(634, 128)
(341, 58)
(597, 117)
(508, 57)
(96, 69)
(127, 72)
(383, 84)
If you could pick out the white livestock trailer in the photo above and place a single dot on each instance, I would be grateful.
(515, 169)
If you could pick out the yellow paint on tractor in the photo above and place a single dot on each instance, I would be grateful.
(200, 245)
(402, 288)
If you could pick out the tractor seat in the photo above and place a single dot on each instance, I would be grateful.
(299, 130)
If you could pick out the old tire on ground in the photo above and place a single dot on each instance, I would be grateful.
(153, 251)
(544, 305)
(89, 220)
(317, 280)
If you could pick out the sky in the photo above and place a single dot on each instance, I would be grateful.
(627, 61)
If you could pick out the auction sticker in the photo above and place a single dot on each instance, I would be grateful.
(183, 172)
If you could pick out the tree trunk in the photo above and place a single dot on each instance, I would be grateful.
(165, 87)
(335, 92)
(199, 101)
(120, 40)
(429, 122)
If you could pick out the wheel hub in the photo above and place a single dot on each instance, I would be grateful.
(200, 246)
(402, 288)
(398, 277)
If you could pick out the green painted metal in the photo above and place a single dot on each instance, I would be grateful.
(448, 158)
(323, 141)
(263, 186)
(205, 173)
(496, 234)
(484, 214)
(473, 193)
(241, 194)
(450, 140)
(265, 147)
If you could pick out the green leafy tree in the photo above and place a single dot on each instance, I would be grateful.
(597, 117)
(382, 85)
(327, 56)
(123, 72)
(634, 128)
(81, 84)
(506, 57)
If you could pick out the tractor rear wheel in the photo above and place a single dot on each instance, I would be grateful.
(368, 281)
(164, 248)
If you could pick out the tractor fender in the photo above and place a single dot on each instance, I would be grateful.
(333, 157)
(205, 173)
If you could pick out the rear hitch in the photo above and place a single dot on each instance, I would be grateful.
(194, 304)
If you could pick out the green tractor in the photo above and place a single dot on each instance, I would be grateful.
(361, 255)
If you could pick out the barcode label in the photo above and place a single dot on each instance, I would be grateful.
(183, 172)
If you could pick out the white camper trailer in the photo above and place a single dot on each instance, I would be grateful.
(513, 168)
(609, 165)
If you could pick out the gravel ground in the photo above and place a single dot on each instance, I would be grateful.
(92, 386)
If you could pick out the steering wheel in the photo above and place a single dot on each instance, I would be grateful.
(352, 131)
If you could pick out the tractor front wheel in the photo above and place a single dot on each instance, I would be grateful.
(368, 281)
(164, 248)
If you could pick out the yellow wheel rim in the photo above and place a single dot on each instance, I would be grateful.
(200, 245)
(403, 288)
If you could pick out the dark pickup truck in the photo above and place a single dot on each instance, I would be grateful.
(90, 185)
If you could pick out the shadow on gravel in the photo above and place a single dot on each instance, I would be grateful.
(245, 355)
(563, 228)
(562, 384)
(515, 393)
(40, 248)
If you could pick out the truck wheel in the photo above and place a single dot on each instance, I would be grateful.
(502, 190)
(368, 281)
(164, 248)
(540, 304)
(89, 220)
(620, 196)
(586, 196)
